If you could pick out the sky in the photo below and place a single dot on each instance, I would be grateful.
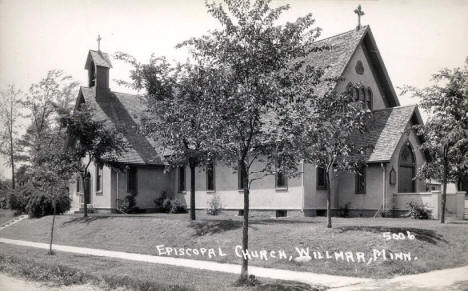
(415, 37)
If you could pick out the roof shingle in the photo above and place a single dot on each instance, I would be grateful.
(123, 112)
(386, 129)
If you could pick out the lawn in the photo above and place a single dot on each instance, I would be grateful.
(67, 269)
(434, 246)
(6, 215)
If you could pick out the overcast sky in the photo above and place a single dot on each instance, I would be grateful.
(415, 37)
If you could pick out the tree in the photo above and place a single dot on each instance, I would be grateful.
(331, 140)
(176, 115)
(445, 132)
(9, 138)
(56, 90)
(93, 139)
(261, 84)
(51, 178)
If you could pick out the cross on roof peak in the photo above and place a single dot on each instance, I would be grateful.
(99, 42)
(359, 13)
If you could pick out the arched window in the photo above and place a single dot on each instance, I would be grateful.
(362, 94)
(355, 94)
(369, 97)
(92, 75)
(406, 170)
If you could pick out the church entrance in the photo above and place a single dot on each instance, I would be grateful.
(406, 170)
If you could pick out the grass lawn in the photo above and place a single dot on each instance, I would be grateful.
(67, 269)
(436, 246)
(6, 215)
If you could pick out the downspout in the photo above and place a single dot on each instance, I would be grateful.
(302, 182)
(117, 191)
(383, 186)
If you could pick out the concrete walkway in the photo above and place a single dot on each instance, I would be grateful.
(279, 274)
(10, 283)
(447, 279)
(13, 221)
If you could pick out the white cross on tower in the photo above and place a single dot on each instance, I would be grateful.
(359, 13)
(99, 42)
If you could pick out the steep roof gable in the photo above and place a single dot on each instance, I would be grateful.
(99, 58)
(123, 112)
(333, 55)
(387, 127)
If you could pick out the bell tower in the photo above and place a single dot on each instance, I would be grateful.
(98, 65)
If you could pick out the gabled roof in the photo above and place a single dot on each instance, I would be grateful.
(123, 112)
(99, 58)
(387, 127)
(333, 55)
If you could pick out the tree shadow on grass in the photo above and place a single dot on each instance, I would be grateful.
(425, 235)
(86, 220)
(212, 226)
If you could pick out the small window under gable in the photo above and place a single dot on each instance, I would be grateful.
(321, 179)
(98, 178)
(361, 180)
(369, 97)
(78, 184)
(210, 177)
(280, 177)
(182, 184)
(132, 180)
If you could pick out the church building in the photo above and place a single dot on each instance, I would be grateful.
(391, 164)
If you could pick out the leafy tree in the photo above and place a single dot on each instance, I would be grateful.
(176, 115)
(445, 132)
(56, 90)
(332, 128)
(50, 180)
(261, 84)
(9, 139)
(90, 138)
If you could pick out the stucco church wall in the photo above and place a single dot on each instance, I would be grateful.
(151, 182)
(367, 78)
(317, 198)
(371, 200)
(99, 199)
(263, 193)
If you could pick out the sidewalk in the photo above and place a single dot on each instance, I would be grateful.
(447, 279)
(279, 274)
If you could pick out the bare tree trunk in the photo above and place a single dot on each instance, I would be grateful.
(51, 252)
(86, 194)
(13, 181)
(192, 191)
(444, 187)
(12, 153)
(245, 226)
(329, 222)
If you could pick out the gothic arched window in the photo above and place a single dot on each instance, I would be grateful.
(369, 97)
(92, 75)
(362, 94)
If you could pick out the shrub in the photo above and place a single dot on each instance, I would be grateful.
(177, 206)
(36, 203)
(128, 204)
(164, 204)
(3, 202)
(418, 210)
(214, 205)
(41, 204)
(18, 198)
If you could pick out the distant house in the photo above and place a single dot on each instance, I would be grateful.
(391, 165)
